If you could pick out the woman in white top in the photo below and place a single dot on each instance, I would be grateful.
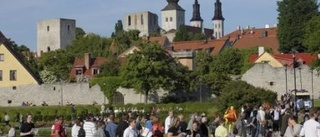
(293, 128)
(76, 127)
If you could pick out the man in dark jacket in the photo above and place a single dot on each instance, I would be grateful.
(123, 124)
(284, 122)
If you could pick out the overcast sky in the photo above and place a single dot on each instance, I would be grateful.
(18, 18)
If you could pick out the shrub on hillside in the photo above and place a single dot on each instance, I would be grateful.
(237, 93)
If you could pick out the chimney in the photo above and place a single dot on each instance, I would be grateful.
(260, 50)
(267, 26)
(87, 60)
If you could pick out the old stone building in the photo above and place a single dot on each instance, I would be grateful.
(53, 34)
(146, 22)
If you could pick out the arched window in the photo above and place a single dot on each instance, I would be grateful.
(48, 49)
(118, 98)
(129, 20)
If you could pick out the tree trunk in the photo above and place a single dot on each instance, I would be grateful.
(146, 97)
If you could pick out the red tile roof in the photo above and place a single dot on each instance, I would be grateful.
(248, 38)
(208, 32)
(80, 63)
(304, 58)
(161, 40)
(215, 45)
(249, 42)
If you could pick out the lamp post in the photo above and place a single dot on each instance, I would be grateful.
(295, 84)
(200, 90)
(104, 96)
(61, 92)
(312, 87)
(300, 78)
(286, 75)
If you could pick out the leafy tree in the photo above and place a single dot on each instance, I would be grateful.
(79, 32)
(91, 43)
(182, 34)
(151, 68)
(118, 28)
(216, 81)
(110, 68)
(202, 67)
(48, 76)
(312, 32)
(293, 16)
(229, 61)
(57, 62)
(237, 93)
(108, 86)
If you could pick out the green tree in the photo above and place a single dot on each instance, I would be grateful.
(237, 93)
(57, 62)
(108, 86)
(293, 16)
(312, 32)
(229, 61)
(202, 67)
(151, 68)
(110, 68)
(79, 32)
(118, 28)
(182, 34)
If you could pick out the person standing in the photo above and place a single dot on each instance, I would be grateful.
(111, 127)
(284, 122)
(76, 127)
(221, 131)
(59, 130)
(11, 132)
(311, 127)
(168, 122)
(122, 125)
(27, 127)
(131, 131)
(100, 132)
(89, 126)
(293, 128)
(6, 118)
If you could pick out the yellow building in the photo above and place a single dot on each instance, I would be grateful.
(13, 71)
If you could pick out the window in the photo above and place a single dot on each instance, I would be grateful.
(48, 49)
(215, 26)
(78, 71)
(95, 71)
(141, 19)
(129, 20)
(68, 27)
(48, 28)
(1, 57)
(0, 75)
(170, 18)
(219, 25)
(166, 19)
(13, 75)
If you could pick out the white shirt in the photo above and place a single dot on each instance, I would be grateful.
(90, 128)
(11, 132)
(130, 132)
(167, 123)
(261, 115)
(276, 114)
(75, 130)
(311, 128)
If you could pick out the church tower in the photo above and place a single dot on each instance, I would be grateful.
(217, 21)
(196, 20)
(172, 16)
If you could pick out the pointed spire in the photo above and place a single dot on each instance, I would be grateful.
(217, 11)
(196, 12)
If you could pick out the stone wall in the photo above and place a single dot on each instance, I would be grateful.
(76, 93)
(265, 76)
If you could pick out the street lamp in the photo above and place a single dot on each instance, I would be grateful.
(61, 91)
(300, 77)
(312, 87)
(295, 84)
(200, 90)
(286, 75)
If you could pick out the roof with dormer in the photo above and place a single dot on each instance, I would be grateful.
(215, 46)
(173, 5)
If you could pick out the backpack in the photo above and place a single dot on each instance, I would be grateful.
(81, 132)
(235, 130)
